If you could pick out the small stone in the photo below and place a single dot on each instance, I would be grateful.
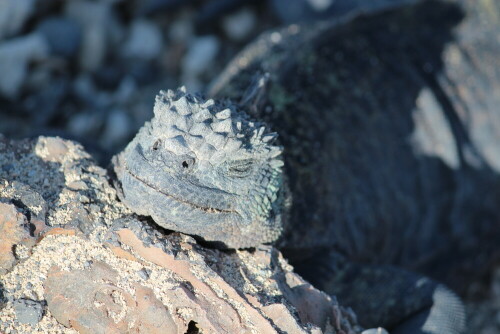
(13, 14)
(118, 128)
(28, 311)
(15, 56)
(200, 56)
(181, 30)
(85, 123)
(63, 35)
(7, 167)
(144, 273)
(44, 103)
(378, 330)
(290, 11)
(239, 25)
(12, 233)
(95, 19)
(52, 149)
(144, 42)
(147, 7)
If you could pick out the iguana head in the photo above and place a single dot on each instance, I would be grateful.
(203, 168)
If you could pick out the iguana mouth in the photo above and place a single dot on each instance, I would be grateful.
(201, 208)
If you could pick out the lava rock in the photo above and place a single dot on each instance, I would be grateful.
(95, 19)
(15, 56)
(122, 274)
(117, 129)
(290, 11)
(214, 9)
(148, 7)
(63, 35)
(200, 56)
(28, 311)
(144, 41)
(44, 104)
(239, 25)
(13, 15)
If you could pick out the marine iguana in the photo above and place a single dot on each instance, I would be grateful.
(360, 191)
(203, 168)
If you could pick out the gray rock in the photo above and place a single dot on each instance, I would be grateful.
(86, 280)
(15, 56)
(379, 330)
(239, 25)
(44, 104)
(13, 14)
(63, 35)
(146, 7)
(200, 56)
(117, 129)
(84, 124)
(95, 18)
(144, 41)
(308, 10)
(28, 311)
(181, 30)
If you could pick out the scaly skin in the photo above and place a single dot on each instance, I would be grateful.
(202, 168)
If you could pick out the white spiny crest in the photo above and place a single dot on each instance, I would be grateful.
(206, 127)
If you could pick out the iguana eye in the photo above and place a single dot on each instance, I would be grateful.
(241, 168)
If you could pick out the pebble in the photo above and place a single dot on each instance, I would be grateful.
(117, 128)
(95, 19)
(200, 55)
(239, 25)
(379, 330)
(28, 311)
(144, 42)
(13, 14)
(212, 10)
(181, 30)
(84, 124)
(63, 35)
(43, 104)
(144, 273)
(290, 11)
(147, 7)
(15, 56)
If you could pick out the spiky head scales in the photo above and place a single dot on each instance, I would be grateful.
(204, 168)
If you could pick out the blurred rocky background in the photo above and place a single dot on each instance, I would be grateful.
(89, 70)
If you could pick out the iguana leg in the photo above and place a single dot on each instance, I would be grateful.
(398, 300)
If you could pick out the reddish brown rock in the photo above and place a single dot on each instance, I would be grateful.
(13, 233)
(91, 302)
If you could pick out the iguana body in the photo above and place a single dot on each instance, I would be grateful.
(383, 166)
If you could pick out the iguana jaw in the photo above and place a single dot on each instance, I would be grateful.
(208, 210)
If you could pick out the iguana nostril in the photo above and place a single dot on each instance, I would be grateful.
(188, 163)
(156, 145)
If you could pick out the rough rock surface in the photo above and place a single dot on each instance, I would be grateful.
(83, 263)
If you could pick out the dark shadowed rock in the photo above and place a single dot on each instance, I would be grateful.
(63, 35)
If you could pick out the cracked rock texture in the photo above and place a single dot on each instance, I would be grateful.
(73, 259)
